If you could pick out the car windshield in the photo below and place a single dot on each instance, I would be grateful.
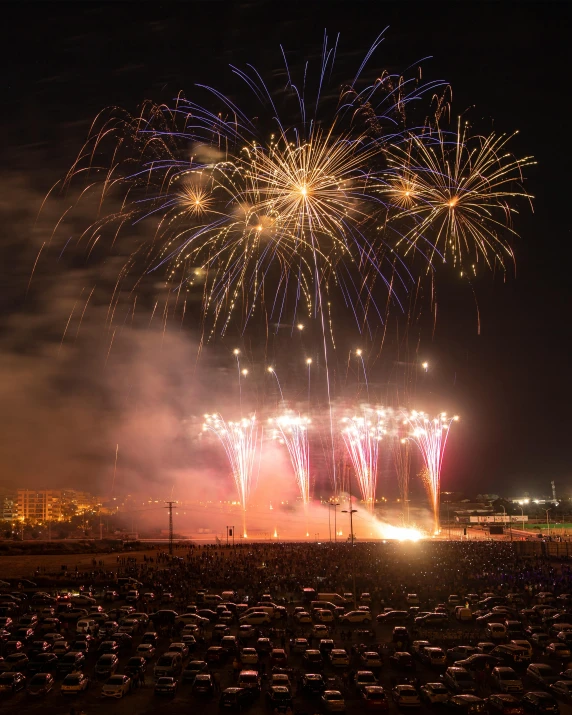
(115, 680)
(248, 678)
(165, 681)
(71, 680)
(281, 695)
(164, 660)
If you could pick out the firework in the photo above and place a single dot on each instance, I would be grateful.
(240, 442)
(362, 435)
(430, 436)
(292, 430)
(278, 211)
(456, 192)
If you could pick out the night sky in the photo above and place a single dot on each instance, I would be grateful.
(508, 65)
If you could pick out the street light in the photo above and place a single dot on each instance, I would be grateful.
(335, 505)
(547, 522)
(351, 512)
(522, 515)
(509, 523)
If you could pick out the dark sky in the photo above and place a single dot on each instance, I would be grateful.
(508, 65)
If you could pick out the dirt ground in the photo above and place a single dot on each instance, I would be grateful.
(25, 566)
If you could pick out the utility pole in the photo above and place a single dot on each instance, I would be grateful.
(169, 506)
(227, 535)
(335, 505)
(351, 512)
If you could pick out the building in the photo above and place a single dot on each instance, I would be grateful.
(53, 504)
(8, 505)
(39, 505)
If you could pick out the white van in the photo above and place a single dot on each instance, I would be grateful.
(332, 598)
(212, 599)
(267, 609)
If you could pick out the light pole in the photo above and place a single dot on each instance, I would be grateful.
(351, 512)
(547, 522)
(448, 521)
(335, 505)
(509, 523)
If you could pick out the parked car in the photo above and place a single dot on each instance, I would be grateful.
(405, 696)
(234, 699)
(43, 663)
(460, 652)
(106, 665)
(193, 668)
(333, 701)
(562, 689)
(166, 685)
(459, 680)
(249, 680)
(12, 682)
(117, 686)
(363, 678)
(541, 674)
(434, 693)
(16, 662)
(506, 680)
(168, 664)
(74, 683)
(71, 662)
(203, 684)
(356, 617)
(313, 683)
(466, 705)
(373, 697)
(540, 703)
(40, 684)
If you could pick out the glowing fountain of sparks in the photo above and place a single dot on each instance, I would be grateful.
(362, 435)
(240, 442)
(292, 430)
(431, 435)
(400, 533)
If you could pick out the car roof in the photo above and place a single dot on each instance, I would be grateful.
(466, 697)
(504, 696)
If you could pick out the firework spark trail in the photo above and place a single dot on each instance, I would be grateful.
(456, 192)
(430, 436)
(402, 462)
(240, 442)
(362, 435)
(292, 430)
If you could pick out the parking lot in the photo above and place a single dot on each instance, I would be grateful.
(284, 581)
